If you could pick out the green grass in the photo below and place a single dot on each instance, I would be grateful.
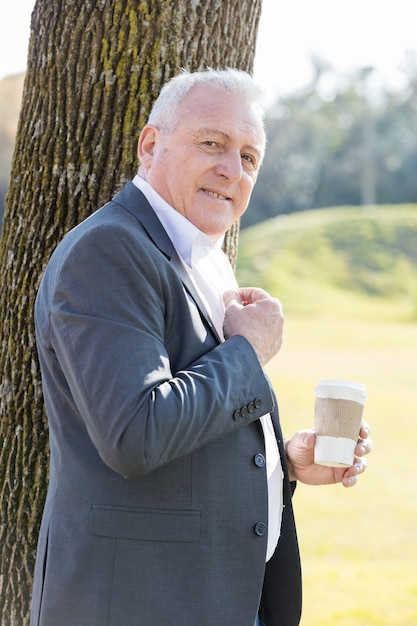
(338, 259)
(359, 545)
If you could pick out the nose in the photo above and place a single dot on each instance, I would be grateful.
(230, 165)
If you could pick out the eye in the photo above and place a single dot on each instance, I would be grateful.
(210, 143)
(250, 160)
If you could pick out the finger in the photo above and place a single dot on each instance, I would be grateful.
(231, 297)
(364, 446)
(349, 482)
(255, 296)
(310, 439)
(360, 465)
(250, 295)
(350, 477)
(365, 430)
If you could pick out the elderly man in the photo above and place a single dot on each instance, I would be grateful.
(169, 501)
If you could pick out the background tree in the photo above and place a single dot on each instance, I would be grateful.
(323, 139)
(94, 70)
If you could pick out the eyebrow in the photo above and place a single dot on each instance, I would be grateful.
(225, 136)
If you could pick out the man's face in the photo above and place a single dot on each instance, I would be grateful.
(206, 168)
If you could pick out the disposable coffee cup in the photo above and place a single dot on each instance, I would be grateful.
(338, 414)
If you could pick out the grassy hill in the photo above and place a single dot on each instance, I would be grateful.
(361, 260)
(348, 281)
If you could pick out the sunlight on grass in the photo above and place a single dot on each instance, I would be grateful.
(351, 260)
(358, 546)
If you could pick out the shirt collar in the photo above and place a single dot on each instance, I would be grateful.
(186, 237)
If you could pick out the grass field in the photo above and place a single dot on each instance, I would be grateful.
(359, 545)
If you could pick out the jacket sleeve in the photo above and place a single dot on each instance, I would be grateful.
(117, 331)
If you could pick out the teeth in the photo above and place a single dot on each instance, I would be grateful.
(216, 195)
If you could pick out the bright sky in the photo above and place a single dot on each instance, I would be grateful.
(347, 34)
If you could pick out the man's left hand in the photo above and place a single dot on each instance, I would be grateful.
(300, 457)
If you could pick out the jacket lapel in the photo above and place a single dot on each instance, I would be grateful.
(189, 285)
(133, 200)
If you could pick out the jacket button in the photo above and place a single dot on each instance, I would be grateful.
(251, 407)
(257, 402)
(236, 414)
(259, 460)
(260, 529)
(244, 411)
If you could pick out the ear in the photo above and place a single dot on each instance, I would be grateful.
(146, 145)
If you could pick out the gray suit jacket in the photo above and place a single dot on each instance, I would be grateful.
(157, 504)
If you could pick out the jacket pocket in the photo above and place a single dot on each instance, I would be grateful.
(145, 524)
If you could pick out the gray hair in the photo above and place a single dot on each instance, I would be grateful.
(165, 112)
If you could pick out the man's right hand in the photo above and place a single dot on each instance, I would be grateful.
(254, 314)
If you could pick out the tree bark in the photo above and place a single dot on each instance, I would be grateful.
(94, 70)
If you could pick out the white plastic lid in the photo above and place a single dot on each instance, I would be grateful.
(341, 390)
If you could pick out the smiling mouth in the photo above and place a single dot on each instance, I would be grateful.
(218, 196)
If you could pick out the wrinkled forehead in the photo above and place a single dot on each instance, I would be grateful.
(211, 106)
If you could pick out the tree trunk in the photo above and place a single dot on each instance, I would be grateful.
(94, 70)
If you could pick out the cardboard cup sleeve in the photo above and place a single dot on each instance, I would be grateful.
(338, 414)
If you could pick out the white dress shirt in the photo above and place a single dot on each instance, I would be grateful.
(212, 275)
